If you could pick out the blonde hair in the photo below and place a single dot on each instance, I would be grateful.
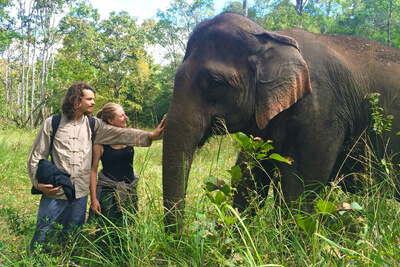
(107, 112)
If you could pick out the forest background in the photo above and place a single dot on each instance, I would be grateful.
(45, 45)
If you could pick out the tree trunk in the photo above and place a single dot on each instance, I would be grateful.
(389, 22)
(25, 88)
(7, 85)
(300, 4)
(245, 8)
(33, 82)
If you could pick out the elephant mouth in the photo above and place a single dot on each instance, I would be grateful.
(217, 127)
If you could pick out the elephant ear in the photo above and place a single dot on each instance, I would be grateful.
(282, 76)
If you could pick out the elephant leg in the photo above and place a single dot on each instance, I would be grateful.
(246, 184)
(344, 169)
(314, 155)
(254, 185)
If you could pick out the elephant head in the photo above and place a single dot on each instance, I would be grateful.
(232, 70)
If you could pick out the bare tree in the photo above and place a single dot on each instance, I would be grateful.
(300, 4)
(389, 22)
(245, 8)
(25, 15)
(33, 77)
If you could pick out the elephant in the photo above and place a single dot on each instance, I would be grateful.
(306, 92)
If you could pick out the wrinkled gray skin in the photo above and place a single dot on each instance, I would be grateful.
(304, 91)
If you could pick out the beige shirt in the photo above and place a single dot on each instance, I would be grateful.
(72, 148)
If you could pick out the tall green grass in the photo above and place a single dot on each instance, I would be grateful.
(17, 205)
(369, 236)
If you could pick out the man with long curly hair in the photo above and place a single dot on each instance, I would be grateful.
(71, 152)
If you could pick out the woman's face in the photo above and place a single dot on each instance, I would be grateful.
(119, 119)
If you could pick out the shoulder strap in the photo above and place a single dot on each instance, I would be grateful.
(92, 122)
(55, 122)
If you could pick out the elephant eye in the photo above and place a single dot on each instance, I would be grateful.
(214, 83)
(215, 89)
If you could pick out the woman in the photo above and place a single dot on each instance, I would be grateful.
(116, 186)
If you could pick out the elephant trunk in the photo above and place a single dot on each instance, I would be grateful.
(184, 129)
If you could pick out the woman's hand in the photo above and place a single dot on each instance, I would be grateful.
(95, 205)
(159, 132)
(48, 189)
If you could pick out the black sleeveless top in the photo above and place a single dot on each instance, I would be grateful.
(117, 163)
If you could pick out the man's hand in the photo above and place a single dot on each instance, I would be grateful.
(159, 132)
(48, 189)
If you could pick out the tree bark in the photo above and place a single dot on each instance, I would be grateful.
(389, 22)
(300, 4)
(33, 81)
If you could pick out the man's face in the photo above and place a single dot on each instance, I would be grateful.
(87, 102)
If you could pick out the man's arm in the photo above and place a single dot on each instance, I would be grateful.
(110, 135)
(39, 150)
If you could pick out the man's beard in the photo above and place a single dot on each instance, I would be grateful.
(87, 113)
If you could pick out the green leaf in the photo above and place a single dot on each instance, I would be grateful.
(267, 147)
(219, 198)
(236, 173)
(210, 197)
(211, 182)
(325, 207)
(306, 223)
(226, 189)
(278, 157)
(240, 138)
(256, 145)
(355, 206)
(260, 156)
(300, 222)
(229, 220)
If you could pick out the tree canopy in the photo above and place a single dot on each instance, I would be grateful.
(50, 44)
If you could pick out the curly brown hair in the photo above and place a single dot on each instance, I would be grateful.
(74, 97)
